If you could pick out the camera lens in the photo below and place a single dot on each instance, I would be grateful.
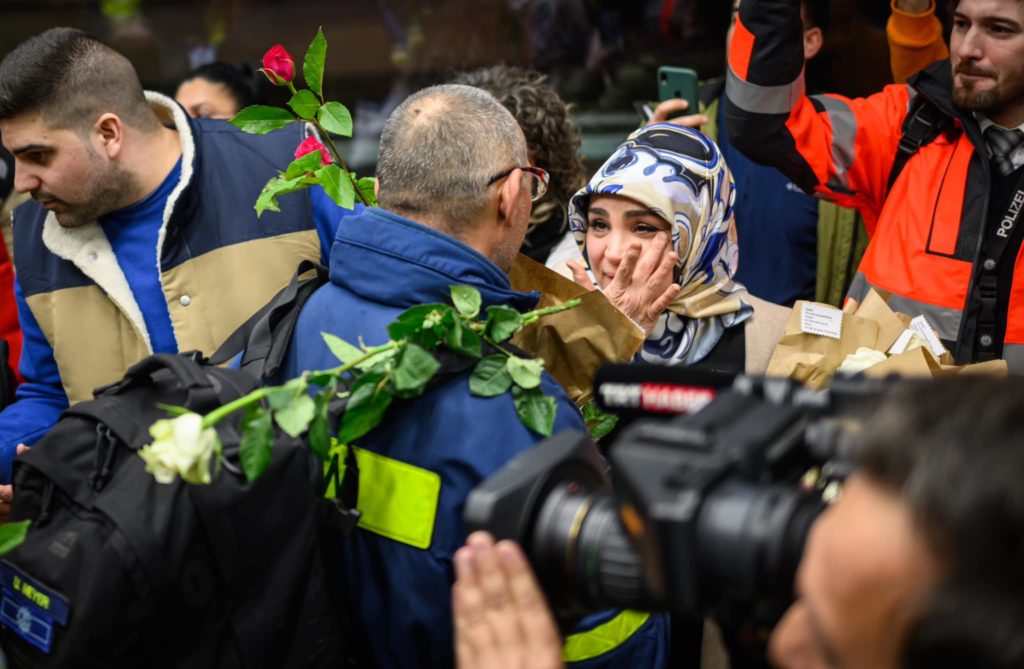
(583, 553)
(751, 538)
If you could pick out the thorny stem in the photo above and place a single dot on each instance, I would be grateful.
(218, 414)
(341, 161)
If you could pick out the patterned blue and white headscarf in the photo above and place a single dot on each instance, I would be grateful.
(680, 175)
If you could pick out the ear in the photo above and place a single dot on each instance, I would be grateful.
(509, 196)
(814, 39)
(108, 135)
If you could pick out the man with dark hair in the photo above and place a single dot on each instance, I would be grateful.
(935, 166)
(455, 191)
(916, 566)
(141, 237)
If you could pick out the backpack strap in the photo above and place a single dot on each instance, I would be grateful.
(265, 336)
(923, 124)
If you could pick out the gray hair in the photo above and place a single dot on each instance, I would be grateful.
(437, 151)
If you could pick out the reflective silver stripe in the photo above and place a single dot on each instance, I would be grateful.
(844, 133)
(1013, 354)
(859, 287)
(945, 322)
(910, 98)
(763, 99)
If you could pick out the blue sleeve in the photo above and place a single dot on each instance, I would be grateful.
(40, 399)
(326, 214)
(617, 638)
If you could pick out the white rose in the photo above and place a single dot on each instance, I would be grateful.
(181, 447)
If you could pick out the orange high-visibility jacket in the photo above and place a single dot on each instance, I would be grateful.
(926, 234)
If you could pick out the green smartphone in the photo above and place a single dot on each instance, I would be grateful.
(678, 82)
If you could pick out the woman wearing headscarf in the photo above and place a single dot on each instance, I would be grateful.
(655, 227)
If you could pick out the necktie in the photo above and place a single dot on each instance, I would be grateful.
(1001, 144)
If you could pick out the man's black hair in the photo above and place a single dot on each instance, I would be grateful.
(818, 13)
(242, 80)
(954, 452)
(71, 79)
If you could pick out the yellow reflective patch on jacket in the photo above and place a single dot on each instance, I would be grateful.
(397, 500)
(604, 638)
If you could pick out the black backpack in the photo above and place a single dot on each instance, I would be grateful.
(118, 570)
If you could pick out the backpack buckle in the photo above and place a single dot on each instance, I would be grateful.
(341, 517)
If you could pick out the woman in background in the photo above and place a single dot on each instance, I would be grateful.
(655, 227)
(220, 90)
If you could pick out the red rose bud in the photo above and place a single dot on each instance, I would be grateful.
(278, 65)
(309, 146)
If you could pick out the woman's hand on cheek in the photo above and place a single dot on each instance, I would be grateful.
(643, 288)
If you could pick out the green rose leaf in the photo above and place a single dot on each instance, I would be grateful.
(414, 369)
(280, 398)
(313, 64)
(322, 379)
(335, 117)
(295, 418)
(342, 350)
(600, 423)
(281, 185)
(368, 188)
(337, 186)
(466, 300)
(463, 341)
(319, 428)
(261, 119)
(366, 407)
(304, 104)
(490, 377)
(12, 535)
(535, 409)
(423, 324)
(502, 322)
(267, 201)
(257, 442)
(300, 166)
(525, 372)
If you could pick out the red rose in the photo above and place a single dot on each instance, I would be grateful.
(309, 146)
(278, 65)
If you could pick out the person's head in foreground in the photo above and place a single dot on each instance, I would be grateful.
(918, 565)
(453, 159)
(219, 90)
(84, 138)
(655, 226)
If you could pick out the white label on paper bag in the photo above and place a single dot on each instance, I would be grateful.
(901, 344)
(821, 320)
(921, 326)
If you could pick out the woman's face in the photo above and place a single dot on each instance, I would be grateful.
(614, 223)
(205, 99)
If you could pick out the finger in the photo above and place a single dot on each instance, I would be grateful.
(662, 275)
(21, 449)
(694, 121)
(667, 109)
(6, 494)
(472, 635)
(579, 275)
(535, 617)
(659, 305)
(498, 602)
(651, 257)
(624, 274)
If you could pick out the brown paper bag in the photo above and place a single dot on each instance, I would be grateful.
(913, 363)
(890, 324)
(797, 355)
(574, 343)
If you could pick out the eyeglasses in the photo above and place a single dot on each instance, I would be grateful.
(538, 180)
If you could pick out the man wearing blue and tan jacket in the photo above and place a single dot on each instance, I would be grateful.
(142, 236)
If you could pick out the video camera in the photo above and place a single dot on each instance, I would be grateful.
(703, 514)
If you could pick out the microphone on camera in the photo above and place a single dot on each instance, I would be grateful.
(656, 389)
